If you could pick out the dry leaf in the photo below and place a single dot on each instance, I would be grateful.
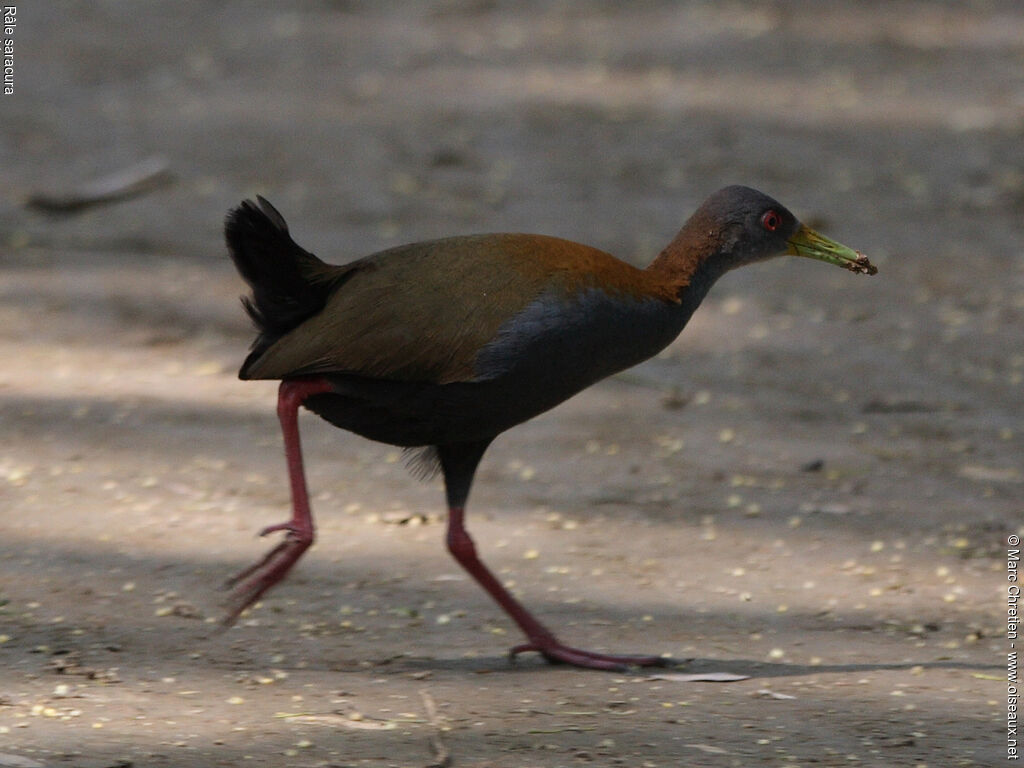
(764, 693)
(699, 677)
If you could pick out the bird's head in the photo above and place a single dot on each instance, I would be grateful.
(739, 225)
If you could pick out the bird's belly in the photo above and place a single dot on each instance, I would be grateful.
(540, 358)
(413, 414)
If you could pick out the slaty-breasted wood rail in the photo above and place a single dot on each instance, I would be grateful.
(443, 345)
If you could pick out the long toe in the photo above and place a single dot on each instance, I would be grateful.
(291, 526)
(557, 653)
(248, 586)
(629, 659)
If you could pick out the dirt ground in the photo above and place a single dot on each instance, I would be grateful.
(811, 488)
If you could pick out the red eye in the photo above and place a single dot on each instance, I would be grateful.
(771, 221)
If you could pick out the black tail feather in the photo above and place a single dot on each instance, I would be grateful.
(286, 281)
(423, 462)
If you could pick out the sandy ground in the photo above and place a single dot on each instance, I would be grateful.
(812, 487)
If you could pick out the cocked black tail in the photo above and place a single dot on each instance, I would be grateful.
(281, 274)
(289, 284)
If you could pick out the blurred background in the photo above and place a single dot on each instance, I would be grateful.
(869, 411)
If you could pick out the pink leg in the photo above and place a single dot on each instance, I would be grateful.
(250, 584)
(540, 638)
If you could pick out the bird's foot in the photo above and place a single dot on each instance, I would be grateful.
(249, 585)
(557, 653)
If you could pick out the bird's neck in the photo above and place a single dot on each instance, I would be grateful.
(685, 265)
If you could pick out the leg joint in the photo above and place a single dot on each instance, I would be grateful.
(461, 545)
(458, 539)
(293, 392)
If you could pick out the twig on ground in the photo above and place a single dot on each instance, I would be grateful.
(128, 182)
(442, 757)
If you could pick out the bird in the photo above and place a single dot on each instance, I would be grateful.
(440, 346)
